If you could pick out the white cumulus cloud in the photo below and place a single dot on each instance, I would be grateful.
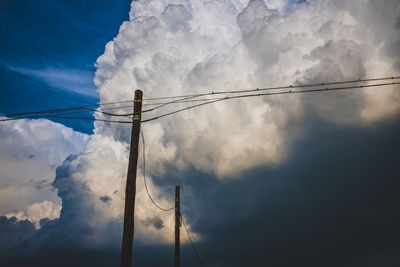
(30, 151)
(185, 47)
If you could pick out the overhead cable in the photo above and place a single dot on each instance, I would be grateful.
(64, 117)
(191, 242)
(275, 88)
(56, 112)
(144, 175)
(270, 94)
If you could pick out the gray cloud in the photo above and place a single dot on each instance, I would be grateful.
(326, 205)
(156, 222)
(30, 150)
(105, 199)
(13, 232)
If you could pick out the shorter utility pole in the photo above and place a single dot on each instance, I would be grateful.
(177, 227)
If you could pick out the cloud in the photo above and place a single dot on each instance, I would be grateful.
(155, 222)
(13, 232)
(326, 205)
(324, 202)
(73, 80)
(186, 47)
(38, 211)
(30, 151)
(247, 46)
(220, 44)
(83, 181)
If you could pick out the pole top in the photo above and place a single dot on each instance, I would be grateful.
(138, 94)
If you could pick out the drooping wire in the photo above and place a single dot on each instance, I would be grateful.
(181, 217)
(108, 113)
(74, 111)
(53, 112)
(179, 101)
(182, 109)
(119, 107)
(275, 88)
(144, 175)
(197, 95)
(270, 94)
(88, 118)
(64, 117)
(56, 112)
(174, 101)
(191, 241)
(62, 111)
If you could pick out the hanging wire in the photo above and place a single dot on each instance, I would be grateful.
(276, 88)
(197, 95)
(63, 109)
(174, 101)
(55, 113)
(182, 109)
(144, 175)
(191, 241)
(270, 94)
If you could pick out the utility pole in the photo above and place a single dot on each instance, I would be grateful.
(177, 225)
(130, 190)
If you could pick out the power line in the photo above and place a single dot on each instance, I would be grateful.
(155, 204)
(64, 109)
(88, 118)
(120, 107)
(144, 175)
(64, 117)
(214, 100)
(180, 110)
(182, 101)
(270, 94)
(191, 242)
(194, 96)
(40, 112)
(108, 113)
(275, 88)
(56, 112)
(73, 111)
(186, 99)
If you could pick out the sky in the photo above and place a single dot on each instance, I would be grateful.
(290, 180)
(48, 51)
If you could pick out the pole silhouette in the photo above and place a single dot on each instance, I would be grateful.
(177, 227)
(130, 190)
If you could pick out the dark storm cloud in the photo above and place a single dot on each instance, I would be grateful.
(71, 240)
(334, 202)
(397, 25)
(156, 222)
(13, 232)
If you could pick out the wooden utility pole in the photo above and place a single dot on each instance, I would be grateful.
(130, 190)
(177, 226)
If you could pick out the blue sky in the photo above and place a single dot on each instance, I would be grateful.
(48, 50)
